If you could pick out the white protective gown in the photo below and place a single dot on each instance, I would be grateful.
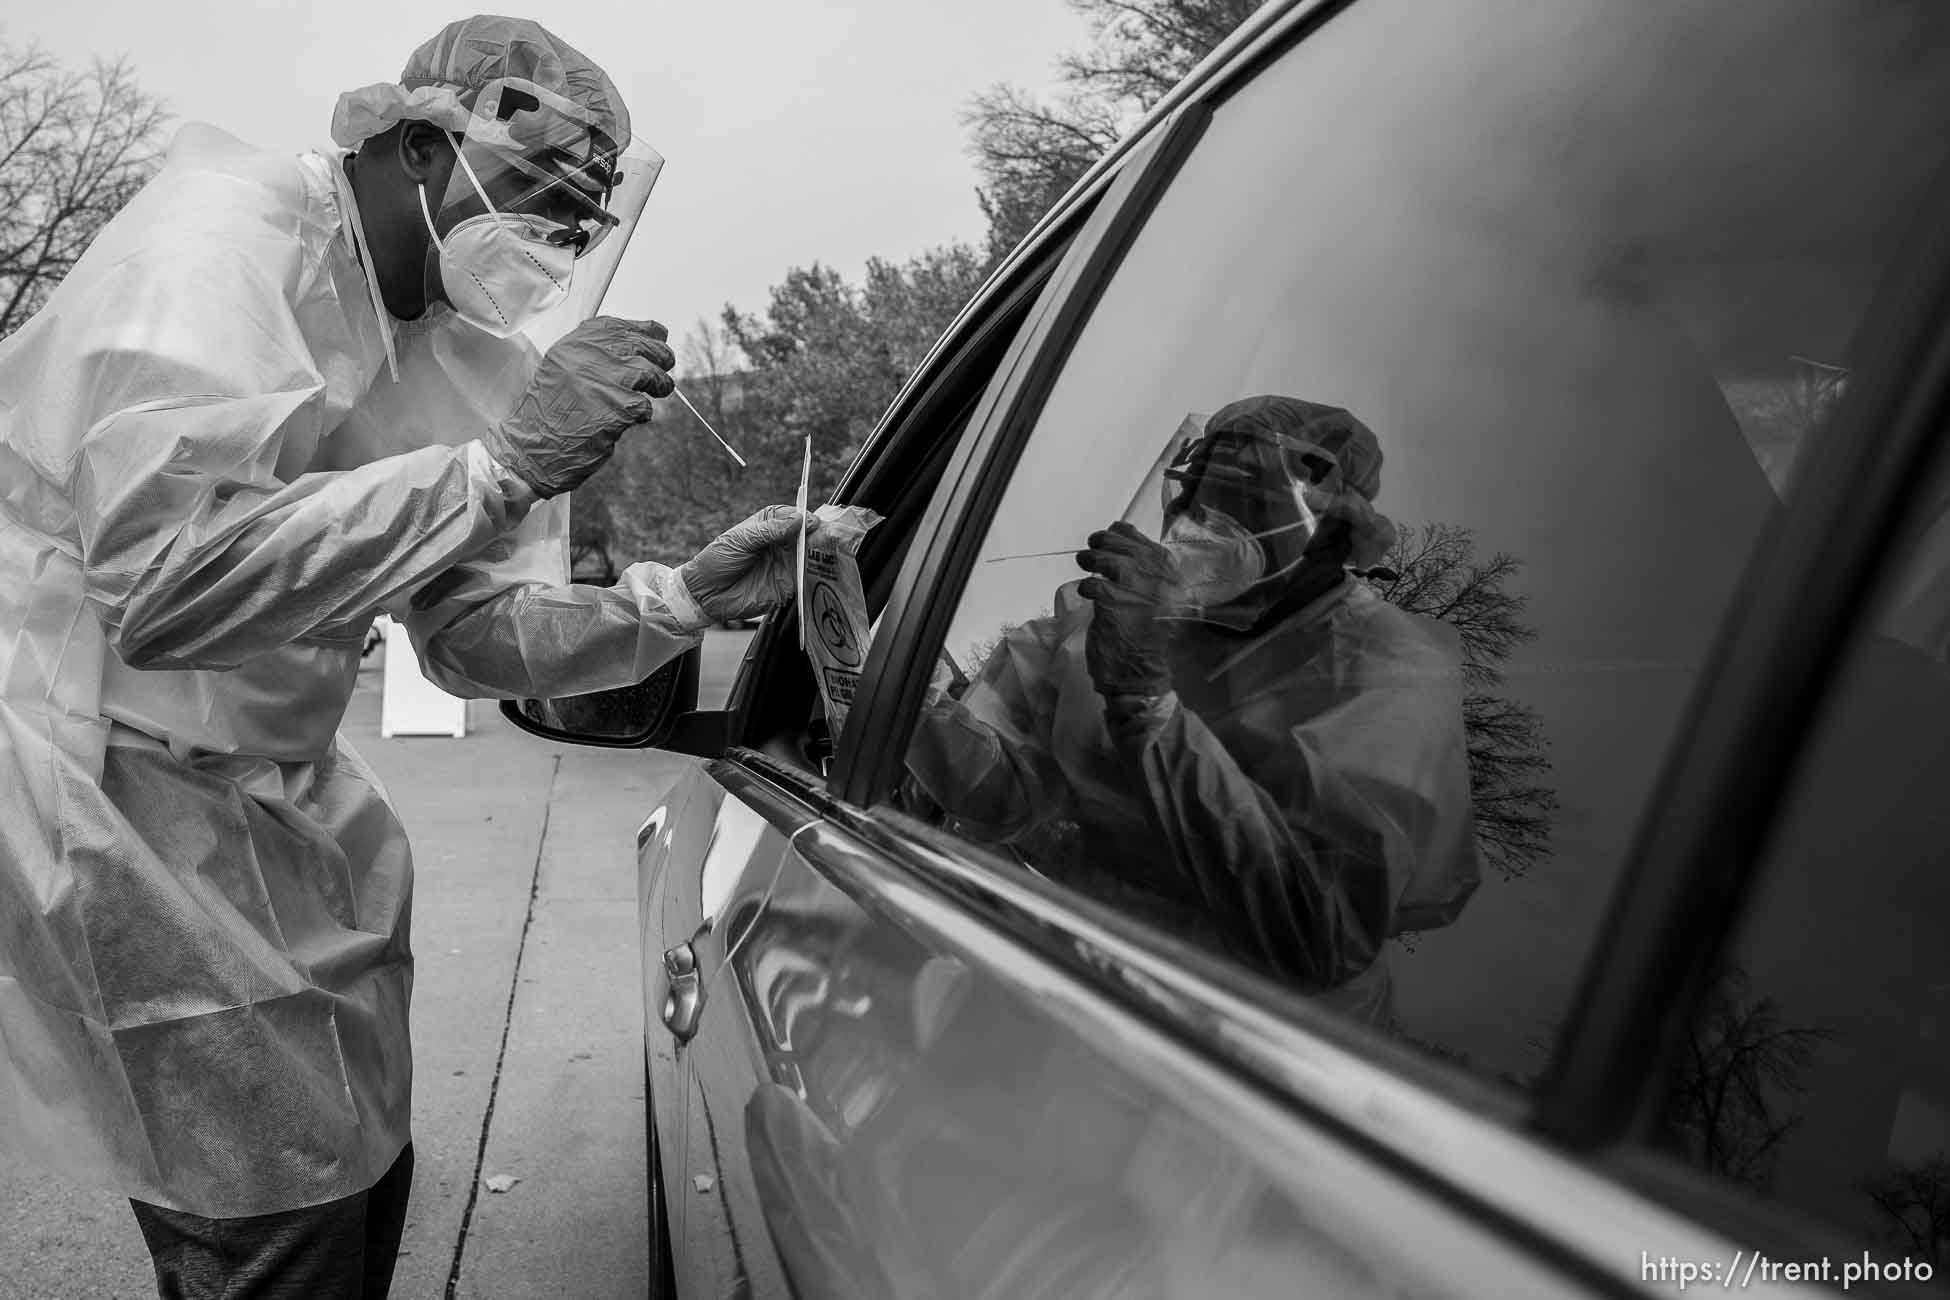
(209, 485)
(1298, 797)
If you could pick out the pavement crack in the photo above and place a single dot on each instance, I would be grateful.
(507, 1025)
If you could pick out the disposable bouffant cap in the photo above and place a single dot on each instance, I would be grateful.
(1330, 428)
(442, 78)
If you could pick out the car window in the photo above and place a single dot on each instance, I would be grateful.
(1416, 449)
(1815, 1073)
(785, 714)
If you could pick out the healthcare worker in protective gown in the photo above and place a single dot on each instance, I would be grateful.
(1228, 731)
(277, 396)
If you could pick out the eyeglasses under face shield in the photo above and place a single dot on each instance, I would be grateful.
(548, 160)
(1268, 483)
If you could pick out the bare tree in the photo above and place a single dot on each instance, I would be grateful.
(1029, 153)
(74, 147)
(1739, 1064)
(1434, 572)
(1914, 1202)
(1140, 49)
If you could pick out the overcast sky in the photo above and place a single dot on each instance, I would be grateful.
(792, 132)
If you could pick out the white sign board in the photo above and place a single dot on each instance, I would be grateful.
(409, 704)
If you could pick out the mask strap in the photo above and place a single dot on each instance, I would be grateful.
(427, 213)
(1312, 522)
(1313, 517)
(474, 180)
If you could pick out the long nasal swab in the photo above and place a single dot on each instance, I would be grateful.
(679, 393)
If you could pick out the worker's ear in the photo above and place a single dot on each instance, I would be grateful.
(425, 155)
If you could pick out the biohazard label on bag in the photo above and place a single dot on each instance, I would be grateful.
(835, 610)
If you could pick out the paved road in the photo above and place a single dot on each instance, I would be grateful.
(527, 1020)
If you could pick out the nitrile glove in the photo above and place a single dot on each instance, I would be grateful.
(748, 571)
(592, 386)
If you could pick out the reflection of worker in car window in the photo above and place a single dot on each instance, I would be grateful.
(1247, 739)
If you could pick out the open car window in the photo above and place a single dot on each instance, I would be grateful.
(780, 711)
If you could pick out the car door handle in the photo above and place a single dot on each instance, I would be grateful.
(684, 999)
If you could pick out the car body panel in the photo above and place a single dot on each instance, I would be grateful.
(888, 1097)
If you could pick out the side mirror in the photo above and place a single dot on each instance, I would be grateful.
(659, 712)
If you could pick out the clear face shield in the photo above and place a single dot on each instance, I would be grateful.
(538, 211)
(1238, 511)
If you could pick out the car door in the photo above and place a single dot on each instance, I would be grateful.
(1588, 311)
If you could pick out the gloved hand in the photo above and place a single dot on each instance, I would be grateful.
(751, 570)
(592, 385)
(1127, 647)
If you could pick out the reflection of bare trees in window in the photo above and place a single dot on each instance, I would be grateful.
(1738, 1066)
(1913, 1202)
(1435, 572)
(1777, 412)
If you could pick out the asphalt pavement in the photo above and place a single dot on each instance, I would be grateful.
(527, 1025)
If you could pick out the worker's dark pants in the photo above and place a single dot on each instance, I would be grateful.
(342, 1250)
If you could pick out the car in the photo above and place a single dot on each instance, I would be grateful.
(1647, 306)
